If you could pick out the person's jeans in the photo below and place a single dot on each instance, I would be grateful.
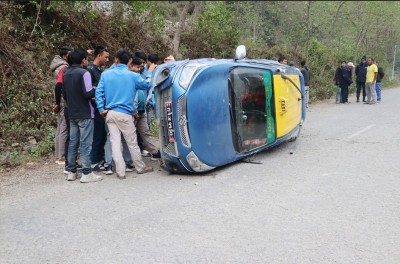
(307, 89)
(378, 91)
(81, 132)
(67, 121)
(358, 91)
(99, 139)
(338, 94)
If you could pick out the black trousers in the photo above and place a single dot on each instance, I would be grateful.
(359, 85)
(345, 93)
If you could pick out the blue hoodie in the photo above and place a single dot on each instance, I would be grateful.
(117, 89)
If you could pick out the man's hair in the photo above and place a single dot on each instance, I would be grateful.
(64, 51)
(281, 58)
(77, 55)
(153, 58)
(136, 60)
(98, 50)
(303, 63)
(141, 55)
(123, 56)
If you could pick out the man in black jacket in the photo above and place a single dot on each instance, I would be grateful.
(95, 68)
(344, 82)
(306, 74)
(379, 78)
(78, 91)
(361, 73)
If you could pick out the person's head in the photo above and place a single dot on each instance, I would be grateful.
(283, 60)
(135, 64)
(78, 56)
(152, 58)
(101, 56)
(170, 58)
(291, 63)
(64, 51)
(343, 64)
(350, 65)
(303, 63)
(363, 59)
(370, 61)
(122, 56)
(141, 55)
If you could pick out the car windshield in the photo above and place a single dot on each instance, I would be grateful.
(250, 97)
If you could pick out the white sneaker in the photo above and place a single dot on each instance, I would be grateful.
(91, 177)
(145, 153)
(71, 176)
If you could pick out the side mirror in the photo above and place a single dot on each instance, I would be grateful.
(162, 76)
(240, 52)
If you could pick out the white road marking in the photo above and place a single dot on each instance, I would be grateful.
(362, 131)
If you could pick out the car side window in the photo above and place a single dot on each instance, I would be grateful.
(249, 107)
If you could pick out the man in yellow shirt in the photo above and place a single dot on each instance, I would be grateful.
(372, 73)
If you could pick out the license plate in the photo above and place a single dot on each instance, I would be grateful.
(170, 123)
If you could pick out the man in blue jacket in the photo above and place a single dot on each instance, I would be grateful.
(115, 94)
(361, 73)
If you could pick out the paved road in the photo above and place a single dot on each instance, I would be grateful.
(336, 200)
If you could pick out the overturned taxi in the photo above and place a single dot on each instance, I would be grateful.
(213, 112)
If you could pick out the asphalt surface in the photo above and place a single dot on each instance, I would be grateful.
(335, 200)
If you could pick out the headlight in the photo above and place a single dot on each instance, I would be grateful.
(187, 74)
(196, 164)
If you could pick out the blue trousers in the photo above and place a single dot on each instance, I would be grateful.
(378, 91)
(81, 132)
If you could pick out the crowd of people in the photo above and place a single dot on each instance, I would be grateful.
(102, 109)
(368, 80)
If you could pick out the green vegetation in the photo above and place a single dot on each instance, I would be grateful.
(322, 32)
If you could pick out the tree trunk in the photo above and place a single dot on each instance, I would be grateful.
(178, 32)
(308, 27)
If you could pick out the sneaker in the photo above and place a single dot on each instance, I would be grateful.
(108, 170)
(156, 156)
(145, 153)
(71, 176)
(97, 166)
(91, 177)
(129, 167)
(366, 102)
(145, 170)
(121, 177)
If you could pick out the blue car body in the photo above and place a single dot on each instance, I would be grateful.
(213, 112)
